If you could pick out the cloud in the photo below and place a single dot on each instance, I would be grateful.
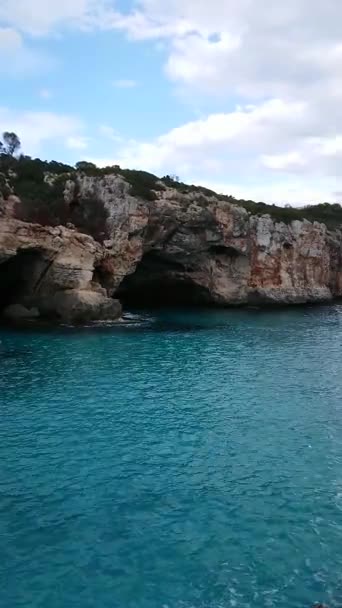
(10, 40)
(295, 192)
(125, 84)
(216, 47)
(287, 161)
(244, 49)
(36, 128)
(17, 59)
(39, 17)
(109, 133)
(282, 66)
(266, 148)
(77, 142)
(225, 137)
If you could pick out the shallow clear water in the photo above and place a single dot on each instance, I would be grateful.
(180, 460)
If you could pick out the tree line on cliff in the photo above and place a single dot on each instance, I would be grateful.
(43, 198)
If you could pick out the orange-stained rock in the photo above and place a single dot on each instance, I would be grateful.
(52, 270)
(213, 247)
(189, 248)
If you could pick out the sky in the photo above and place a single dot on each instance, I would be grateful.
(241, 96)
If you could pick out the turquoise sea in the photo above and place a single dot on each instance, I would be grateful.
(185, 459)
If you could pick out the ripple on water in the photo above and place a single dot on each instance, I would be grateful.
(180, 459)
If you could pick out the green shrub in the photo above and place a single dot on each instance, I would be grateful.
(44, 203)
(143, 184)
(88, 168)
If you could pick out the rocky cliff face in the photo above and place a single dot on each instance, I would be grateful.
(51, 272)
(188, 248)
(175, 249)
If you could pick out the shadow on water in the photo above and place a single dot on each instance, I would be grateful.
(207, 319)
(171, 320)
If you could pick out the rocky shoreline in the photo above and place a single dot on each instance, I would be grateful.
(49, 273)
(178, 249)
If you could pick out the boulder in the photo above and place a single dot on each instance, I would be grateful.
(77, 306)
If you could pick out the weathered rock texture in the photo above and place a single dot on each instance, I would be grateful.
(51, 272)
(176, 249)
(197, 249)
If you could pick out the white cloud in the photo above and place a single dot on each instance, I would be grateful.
(246, 49)
(281, 191)
(125, 84)
(39, 17)
(295, 192)
(244, 132)
(110, 133)
(10, 40)
(280, 60)
(77, 142)
(286, 161)
(36, 128)
(246, 146)
(16, 57)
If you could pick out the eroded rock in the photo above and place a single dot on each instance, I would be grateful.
(177, 249)
(51, 271)
(80, 306)
(211, 251)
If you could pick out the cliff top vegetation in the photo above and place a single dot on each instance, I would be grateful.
(43, 200)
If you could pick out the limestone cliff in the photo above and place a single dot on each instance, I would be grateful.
(51, 272)
(200, 249)
(176, 248)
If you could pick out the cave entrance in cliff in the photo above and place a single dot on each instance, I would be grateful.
(160, 283)
(19, 276)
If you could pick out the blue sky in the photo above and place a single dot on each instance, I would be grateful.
(235, 96)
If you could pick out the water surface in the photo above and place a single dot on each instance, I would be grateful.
(175, 460)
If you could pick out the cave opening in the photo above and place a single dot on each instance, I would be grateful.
(160, 283)
(19, 277)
